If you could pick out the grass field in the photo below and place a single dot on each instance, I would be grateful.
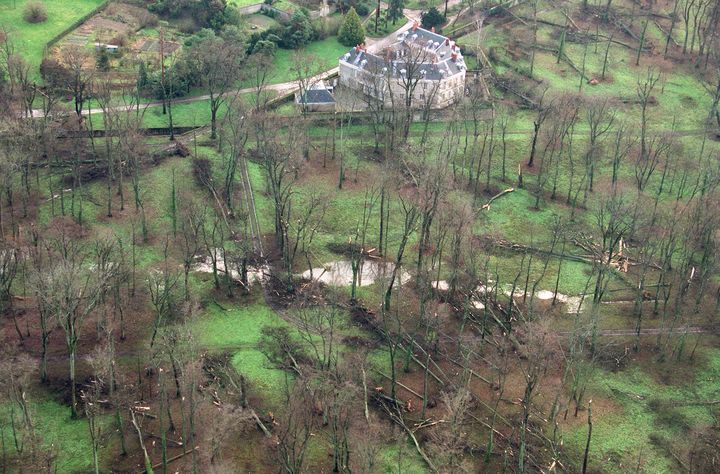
(384, 27)
(324, 52)
(257, 22)
(643, 417)
(69, 439)
(32, 38)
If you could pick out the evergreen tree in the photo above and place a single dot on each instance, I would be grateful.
(142, 80)
(352, 31)
(103, 59)
(395, 10)
(432, 19)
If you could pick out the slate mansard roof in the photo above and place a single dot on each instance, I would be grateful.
(440, 58)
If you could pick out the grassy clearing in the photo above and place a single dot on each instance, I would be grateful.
(401, 458)
(187, 114)
(31, 39)
(424, 4)
(68, 438)
(238, 331)
(629, 435)
(384, 27)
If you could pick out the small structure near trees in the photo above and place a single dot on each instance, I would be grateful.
(318, 98)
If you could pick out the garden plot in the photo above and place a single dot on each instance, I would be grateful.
(152, 46)
(111, 26)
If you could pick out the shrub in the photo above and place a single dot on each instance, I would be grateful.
(352, 31)
(326, 27)
(265, 47)
(187, 26)
(35, 12)
(362, 9)
(120, 40)
(147, 19)
(55, 75)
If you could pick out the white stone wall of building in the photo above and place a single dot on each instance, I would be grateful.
(449, 89)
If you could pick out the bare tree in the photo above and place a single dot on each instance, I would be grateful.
(319, 329)
(70, 291)
(217, 61)
(410, 220)
(295, 428)
(600, 117)
(15, 374)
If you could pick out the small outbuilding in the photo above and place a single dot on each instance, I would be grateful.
(317, 99)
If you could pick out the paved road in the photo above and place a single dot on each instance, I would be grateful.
(281, 88)
(653, 331)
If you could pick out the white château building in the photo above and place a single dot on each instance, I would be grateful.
(420, 69)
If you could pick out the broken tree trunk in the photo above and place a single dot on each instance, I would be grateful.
(486, 206)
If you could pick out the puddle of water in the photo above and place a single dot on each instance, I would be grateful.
(339, 273)
(254, 274)
(545, 295)
(441, 285)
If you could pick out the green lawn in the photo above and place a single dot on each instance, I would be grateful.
(238, 330)
(257, 23)
(325, 53)
(625, 437)
(384, 27)
(243, 3)
(31, 39)
(184, 115)
(66, 437)
(425, 4)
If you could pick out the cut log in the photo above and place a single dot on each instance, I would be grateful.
(401, 385)
(169, 460)
(260, 424)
